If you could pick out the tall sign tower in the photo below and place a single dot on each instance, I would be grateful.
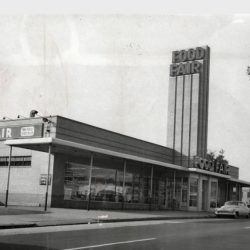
(188, 104)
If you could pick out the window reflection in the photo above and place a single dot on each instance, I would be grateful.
(107, 179)
(137, 183)
(109, 184)
(193, 198)
(213, 194)
(76, 181)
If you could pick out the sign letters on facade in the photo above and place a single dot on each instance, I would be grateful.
(18, 132)
(186, 62)
(212, 166)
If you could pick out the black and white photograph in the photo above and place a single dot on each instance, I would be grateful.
(124, 130)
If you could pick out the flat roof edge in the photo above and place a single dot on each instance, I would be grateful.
(18, 142)
(115, 153)
(201, 171)
(56, 141)
(240, 181)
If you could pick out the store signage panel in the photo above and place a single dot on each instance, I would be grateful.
(44, 178)
(211, 166)
(186, 62)
(21, 132)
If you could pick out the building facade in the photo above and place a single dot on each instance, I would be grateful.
(95, 168)
(60, 162)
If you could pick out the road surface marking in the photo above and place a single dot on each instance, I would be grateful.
(247, 227)
(110, 244)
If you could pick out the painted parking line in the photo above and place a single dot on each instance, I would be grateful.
(111, 244)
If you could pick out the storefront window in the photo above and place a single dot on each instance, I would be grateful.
(161, 190)
(213, 194)
(184, 191)
(137, 183)
(76, 181)
(103, 184)
(193, 198)
(159, 187)
(170, 189)
(107, 176)
(178, 186)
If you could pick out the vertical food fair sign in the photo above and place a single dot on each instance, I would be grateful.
(186, 62)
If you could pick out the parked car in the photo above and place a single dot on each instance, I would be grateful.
(233, 208)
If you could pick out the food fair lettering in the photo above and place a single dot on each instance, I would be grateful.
(6, 133)
(213, 166)
(184, 61)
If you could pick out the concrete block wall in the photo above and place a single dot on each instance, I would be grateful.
(24, 187)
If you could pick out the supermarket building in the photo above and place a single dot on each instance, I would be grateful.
(60, 162)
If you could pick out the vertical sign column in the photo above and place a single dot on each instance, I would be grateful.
(188, 104)
(186, 116)
(178, 124)
(194, 116)
(171, 112)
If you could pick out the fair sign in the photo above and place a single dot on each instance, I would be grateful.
(21, 132)
(212, 166)
(186, 62)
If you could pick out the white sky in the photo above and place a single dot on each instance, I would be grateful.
(112, 71)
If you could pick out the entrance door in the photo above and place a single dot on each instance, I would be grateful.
(204, 194)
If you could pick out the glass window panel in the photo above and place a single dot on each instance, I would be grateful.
(76, 181)
(184, 195)
(193, 192)
(107, 179)
(16, 161)
(213, 194)
(137, 182)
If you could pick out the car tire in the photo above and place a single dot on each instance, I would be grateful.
(236, 215)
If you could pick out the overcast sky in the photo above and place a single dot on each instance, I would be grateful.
(112, 71)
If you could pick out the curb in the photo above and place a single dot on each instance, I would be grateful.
(96, 221)
(11, 226)
(155, 218)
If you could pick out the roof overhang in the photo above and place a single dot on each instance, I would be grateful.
(42, 144)
(59, 145)
(246, 183)
(205, 172)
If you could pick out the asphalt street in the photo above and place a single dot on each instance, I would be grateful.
(200, 234)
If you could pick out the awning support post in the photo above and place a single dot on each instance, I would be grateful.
(48, 180)
(90, 179)
(8, 179)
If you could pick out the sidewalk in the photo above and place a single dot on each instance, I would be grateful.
(17, 216)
